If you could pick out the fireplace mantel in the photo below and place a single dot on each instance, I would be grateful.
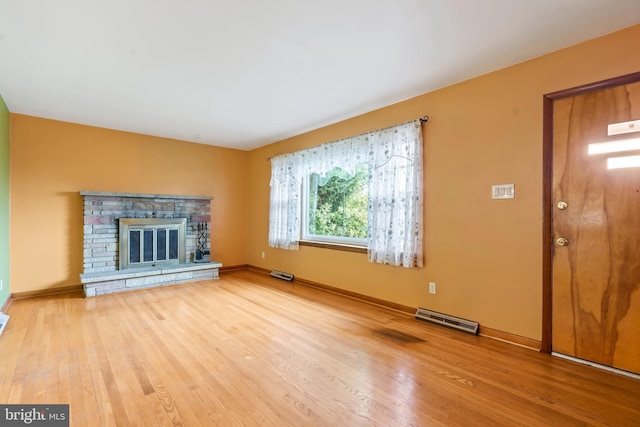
(142, 195)
(102, 212)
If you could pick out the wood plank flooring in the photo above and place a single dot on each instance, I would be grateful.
(256, 351)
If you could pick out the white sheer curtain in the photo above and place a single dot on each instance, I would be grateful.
(284, 202)
(396, 196)
(395, 190)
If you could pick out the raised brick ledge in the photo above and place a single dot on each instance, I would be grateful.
(143, 196)
(123, 280)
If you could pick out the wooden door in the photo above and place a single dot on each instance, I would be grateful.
(596, 276)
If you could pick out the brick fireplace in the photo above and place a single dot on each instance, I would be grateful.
(102, 243)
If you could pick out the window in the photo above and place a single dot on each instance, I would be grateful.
(313, 197)
(335, 207)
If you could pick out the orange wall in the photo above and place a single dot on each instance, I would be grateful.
(52, 161)
(484, 255)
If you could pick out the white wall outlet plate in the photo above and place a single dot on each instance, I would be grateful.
(432, 287)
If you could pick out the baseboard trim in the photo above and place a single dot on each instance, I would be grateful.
(47, 292)
(343, 292)
(6, 304)
(234, 267)
(360, 297)
(510, 338)
(259, 269)
(482, 330)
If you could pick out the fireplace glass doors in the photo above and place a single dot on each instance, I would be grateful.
(148, 242)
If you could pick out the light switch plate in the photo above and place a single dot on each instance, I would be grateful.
(503, 191)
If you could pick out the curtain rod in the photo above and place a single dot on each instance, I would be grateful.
(423, 119)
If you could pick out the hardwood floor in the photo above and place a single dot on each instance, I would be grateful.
(252, 350)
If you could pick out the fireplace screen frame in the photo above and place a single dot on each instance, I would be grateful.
(128, 224)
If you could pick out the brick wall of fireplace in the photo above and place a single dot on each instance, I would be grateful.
(101, 241)
(102, 211)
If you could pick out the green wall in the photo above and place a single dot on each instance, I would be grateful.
(4, 201)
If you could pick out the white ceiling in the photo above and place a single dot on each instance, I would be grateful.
(246, 73)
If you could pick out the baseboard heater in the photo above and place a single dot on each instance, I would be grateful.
(446, 320)
(3, 321)
(282, 275)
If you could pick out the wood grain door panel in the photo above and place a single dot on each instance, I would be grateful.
(596, 277)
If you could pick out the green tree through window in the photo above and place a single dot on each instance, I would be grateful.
(337, 205)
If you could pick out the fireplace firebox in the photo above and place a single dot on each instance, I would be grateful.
(148, 242)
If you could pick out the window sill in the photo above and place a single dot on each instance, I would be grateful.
(334, 246)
